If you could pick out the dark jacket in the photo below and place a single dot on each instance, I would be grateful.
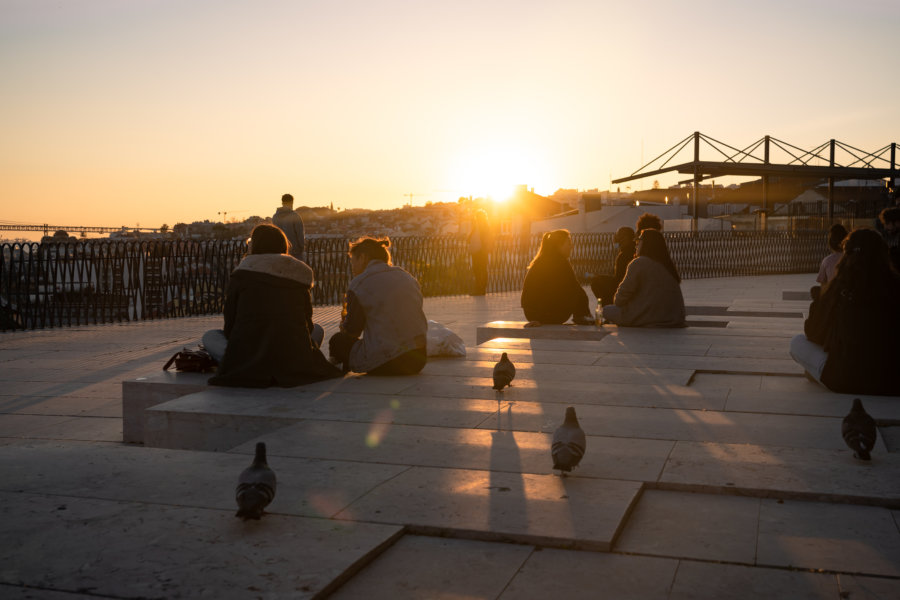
(551, 292)
(861, 337)
(268, 320)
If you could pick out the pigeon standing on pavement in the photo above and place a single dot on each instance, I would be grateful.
(859, 431)
(504, 372)
(256, 486)
(568, 443)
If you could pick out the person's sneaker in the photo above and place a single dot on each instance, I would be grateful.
(583, 321)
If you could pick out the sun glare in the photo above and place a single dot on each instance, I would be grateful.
(495, 171)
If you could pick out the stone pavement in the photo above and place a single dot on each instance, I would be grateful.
(714, 469)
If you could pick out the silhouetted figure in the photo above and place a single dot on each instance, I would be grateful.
(269, 337)
(480, 245)
(890, 231)
(551, 292)
(827, 268)
(851, 335)
(383, 305)
(288, 221)
(648, 221)
(604, 286)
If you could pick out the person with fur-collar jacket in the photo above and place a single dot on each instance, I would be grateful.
(269, 337)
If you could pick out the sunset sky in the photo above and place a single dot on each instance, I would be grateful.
(126, 112)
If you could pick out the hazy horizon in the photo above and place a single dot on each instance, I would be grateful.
(118, 113)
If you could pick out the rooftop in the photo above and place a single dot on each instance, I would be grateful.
(713, 469)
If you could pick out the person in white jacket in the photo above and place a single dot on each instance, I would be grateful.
(383, 305)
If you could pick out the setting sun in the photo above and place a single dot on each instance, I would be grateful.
(494, 171)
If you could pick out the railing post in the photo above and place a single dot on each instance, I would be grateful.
(831, 184)
(695, 223)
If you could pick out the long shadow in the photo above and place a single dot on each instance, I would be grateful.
(508, 505)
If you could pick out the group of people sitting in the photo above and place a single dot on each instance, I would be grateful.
(645, 290)
(269, 339)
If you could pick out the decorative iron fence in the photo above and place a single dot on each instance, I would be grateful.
(66, 284)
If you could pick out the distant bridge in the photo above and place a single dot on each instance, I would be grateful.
(49, 229)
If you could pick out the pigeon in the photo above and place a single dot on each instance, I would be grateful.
(859, 431)
(504, 372)
(256, 486)
(568, 443)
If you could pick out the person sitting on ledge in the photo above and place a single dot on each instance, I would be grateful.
(384, 305)
(850, 342)
(650, 294)
(551, 292)
(269, 337)
(605, 286)
(827, 267)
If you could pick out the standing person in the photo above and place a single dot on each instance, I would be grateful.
(551, 292)
(836, 235)
(287, 220)
(604, 286)
(480, 244)
(384, 305)
(269, 337)
(650, 293)
(850, 337)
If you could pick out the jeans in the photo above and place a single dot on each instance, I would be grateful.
(809, 355)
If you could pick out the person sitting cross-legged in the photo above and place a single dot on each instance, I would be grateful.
(551, 292)
(650, 293)
(269, 337)
(383, 304)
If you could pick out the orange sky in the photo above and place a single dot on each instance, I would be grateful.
(160, 111)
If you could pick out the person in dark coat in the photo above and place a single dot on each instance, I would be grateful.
(604, 286)
(269, 337)
(551, 292)
(850, 342)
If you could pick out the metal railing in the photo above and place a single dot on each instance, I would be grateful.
(91, 282)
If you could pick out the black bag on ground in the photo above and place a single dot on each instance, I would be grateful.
(192, 361)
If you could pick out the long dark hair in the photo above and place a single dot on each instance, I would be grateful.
(653, 245)
(865, 270)
(551, 243)
(268, 239)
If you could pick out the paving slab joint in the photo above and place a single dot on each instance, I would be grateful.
(769, 494)
(361, 563)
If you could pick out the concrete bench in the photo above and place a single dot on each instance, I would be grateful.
(517, 329)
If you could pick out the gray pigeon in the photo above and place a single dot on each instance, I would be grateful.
(568, 443)
(859, 431)
(504, 372)
(256, 486)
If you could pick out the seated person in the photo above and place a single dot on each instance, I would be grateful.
(648, 221)
(384, 305)
(269, 338)
(827, 268)
(650, 293)
(889, 219)
(850, 342)
(551, 292)
(605, 286)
